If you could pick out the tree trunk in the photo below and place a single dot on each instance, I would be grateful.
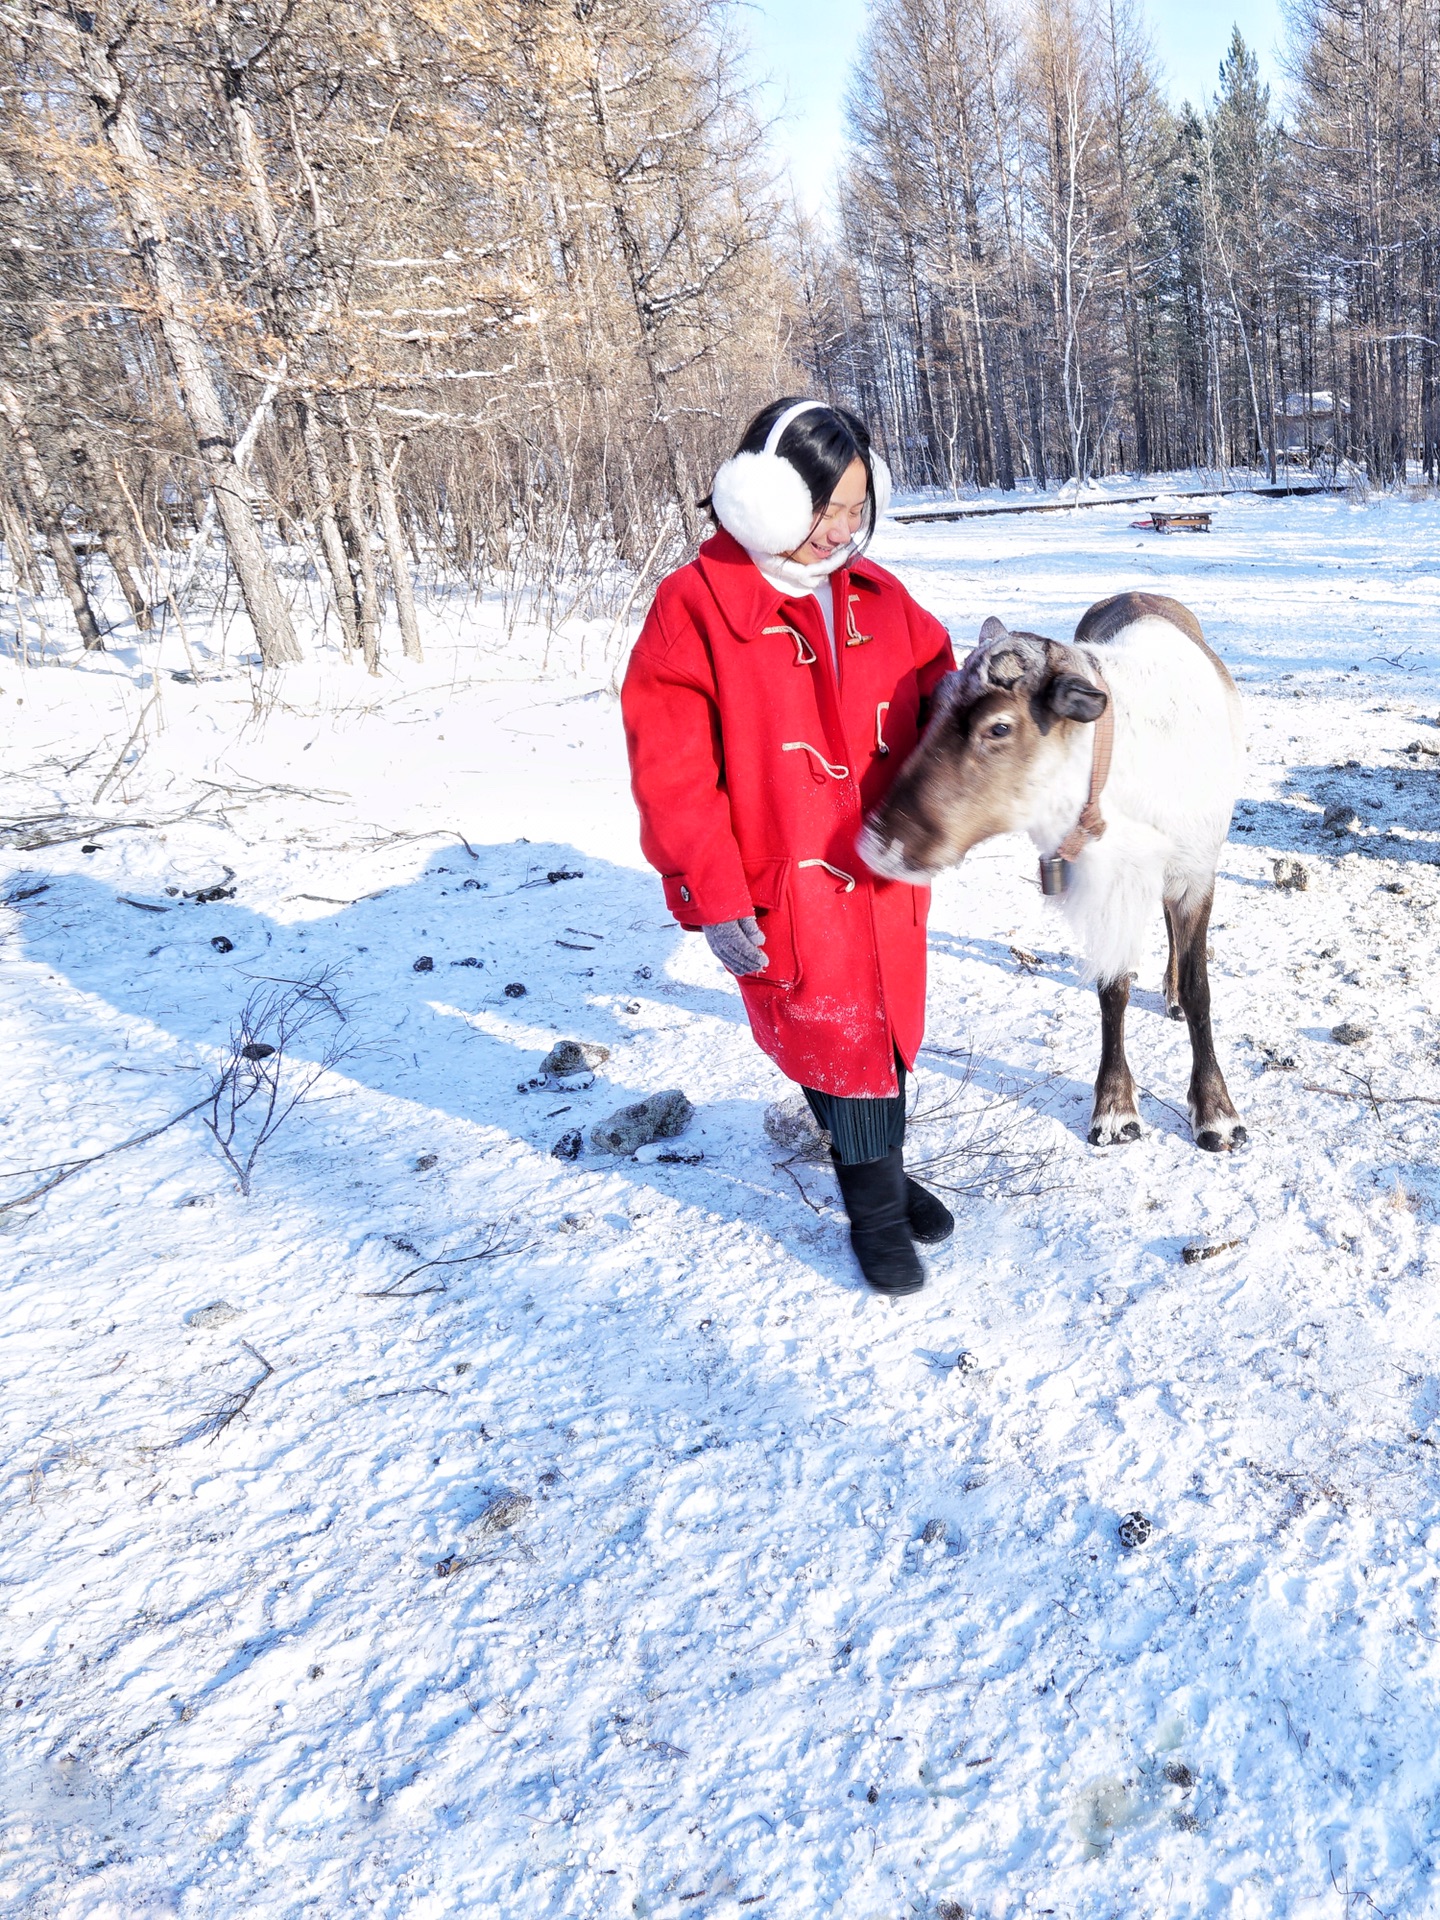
(357, 540)
(47, 513)
(135, 187)
(317, 466)
(396, 550)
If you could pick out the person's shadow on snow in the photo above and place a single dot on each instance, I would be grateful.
(454, 985)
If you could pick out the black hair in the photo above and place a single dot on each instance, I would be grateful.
(820, 444)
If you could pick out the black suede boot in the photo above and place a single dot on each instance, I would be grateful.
(931, 1221)
(875, 1197)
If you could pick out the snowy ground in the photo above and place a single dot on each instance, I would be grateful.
(818, 1606)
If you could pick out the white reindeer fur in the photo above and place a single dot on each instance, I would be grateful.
(1174, 779)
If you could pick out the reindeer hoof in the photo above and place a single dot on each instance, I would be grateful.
(1176, 1012)
(1107, 1133)
(1212, 1141)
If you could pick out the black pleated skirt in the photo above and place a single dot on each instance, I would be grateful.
(861, 1130)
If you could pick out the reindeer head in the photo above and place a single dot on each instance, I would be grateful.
(1001, 730)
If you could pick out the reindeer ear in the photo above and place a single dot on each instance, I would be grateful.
(1071, 697)
(993, 629)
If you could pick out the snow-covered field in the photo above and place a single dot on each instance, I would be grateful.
(817, 1606)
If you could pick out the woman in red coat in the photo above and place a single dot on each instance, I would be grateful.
(777, 686)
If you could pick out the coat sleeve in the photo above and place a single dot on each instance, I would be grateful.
(677, 774)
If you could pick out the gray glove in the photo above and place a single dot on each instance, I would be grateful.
(736, 944)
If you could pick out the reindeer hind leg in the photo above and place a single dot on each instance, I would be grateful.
(1172, 968)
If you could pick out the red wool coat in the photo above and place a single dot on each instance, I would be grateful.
(753, 765)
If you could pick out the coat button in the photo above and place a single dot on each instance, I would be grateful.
(685, 895)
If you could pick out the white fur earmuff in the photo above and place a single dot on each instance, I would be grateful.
(762, 502)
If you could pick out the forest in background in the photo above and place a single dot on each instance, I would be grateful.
(369, 297)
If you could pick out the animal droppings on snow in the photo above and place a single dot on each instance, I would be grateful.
(563, 873)
(423, 965)
(219, 1313)
(222, 945)
(1134, 1530)
(1178, 1774)
(1291, 876)
(574, 1057)
(1350, 1033)
(656, 1153)
(1199, 1250)
(569, 1145)
(426, 1161)
(932, 1531)
(660, 1117)
(516, 990)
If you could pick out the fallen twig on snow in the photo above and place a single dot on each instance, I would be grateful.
(1368, 1094)
(259, 1086)
(116, 770)
(788, 1166)
(66, 1170)
(237, 1402)
(989, 1157)
(254, 790)
(431, 833)
(495, 1247)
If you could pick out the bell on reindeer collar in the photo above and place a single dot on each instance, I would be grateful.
(1054, 874)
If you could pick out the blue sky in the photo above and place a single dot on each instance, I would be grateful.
(806, 47)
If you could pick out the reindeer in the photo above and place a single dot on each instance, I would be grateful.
(1033, 736)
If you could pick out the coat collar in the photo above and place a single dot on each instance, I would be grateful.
(743, 594)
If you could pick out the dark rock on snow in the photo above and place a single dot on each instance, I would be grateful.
(222, 945)
(1199, 1250)
(1349, 1033)
(793, 1127)
(568, 1057)
(660, 1117)
(1341, 817)
(506, 1510)
(423, 965)
(1134, 1531)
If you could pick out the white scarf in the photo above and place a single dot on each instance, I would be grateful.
(789, 577)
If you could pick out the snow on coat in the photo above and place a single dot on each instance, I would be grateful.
(753, 763)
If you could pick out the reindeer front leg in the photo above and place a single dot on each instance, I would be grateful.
(1114, 1120)
(1216, 1124)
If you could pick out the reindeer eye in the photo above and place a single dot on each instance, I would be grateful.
(1001, 730)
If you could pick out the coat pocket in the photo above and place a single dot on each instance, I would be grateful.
(769, 883)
